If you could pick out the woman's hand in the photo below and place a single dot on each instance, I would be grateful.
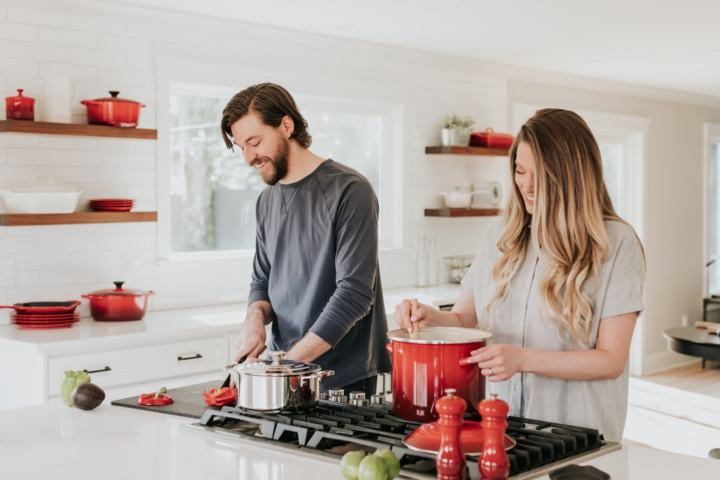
(498, 362)
(423, 316)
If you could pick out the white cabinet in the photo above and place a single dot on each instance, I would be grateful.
(139, 365)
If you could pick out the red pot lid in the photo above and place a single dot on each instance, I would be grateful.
(426, 438)
(114, 98)
(119, 292)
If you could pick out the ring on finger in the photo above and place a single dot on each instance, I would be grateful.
(491, 372)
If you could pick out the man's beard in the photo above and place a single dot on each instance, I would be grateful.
(279, 163)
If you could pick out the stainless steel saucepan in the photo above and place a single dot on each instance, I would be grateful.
(277, 385)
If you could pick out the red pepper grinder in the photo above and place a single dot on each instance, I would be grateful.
(450, 462)
(494, 463)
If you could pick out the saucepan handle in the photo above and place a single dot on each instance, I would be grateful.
(465, 361)
(320, 374)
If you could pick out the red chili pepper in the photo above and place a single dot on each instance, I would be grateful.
(219, 398)
(150, 399)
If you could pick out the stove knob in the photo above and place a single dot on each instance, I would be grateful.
(336, 392)
(322, 396)
(360, 402)
(342, 399)
(377, 399)
(357, 395)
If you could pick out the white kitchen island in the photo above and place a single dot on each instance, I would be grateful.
(52, 441)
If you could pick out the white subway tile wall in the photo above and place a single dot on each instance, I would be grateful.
(100, 54)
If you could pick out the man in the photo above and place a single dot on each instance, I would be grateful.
(315, 273)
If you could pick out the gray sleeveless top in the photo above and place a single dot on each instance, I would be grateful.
(517, 320)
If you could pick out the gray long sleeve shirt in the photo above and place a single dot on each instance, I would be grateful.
(316, 262)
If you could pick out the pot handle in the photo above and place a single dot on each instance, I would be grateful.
(320, 374)
(75, 303)
(388, 347)
(464, 362)
(85, 296)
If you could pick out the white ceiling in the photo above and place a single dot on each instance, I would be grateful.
(667, 44)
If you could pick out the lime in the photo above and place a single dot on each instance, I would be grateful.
(350, 463)
(373, 468)
(393, 464)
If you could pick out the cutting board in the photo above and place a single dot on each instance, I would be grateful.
(187, 401)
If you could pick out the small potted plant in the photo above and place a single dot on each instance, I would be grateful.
(456, 131)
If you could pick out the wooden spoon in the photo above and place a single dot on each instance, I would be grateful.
(415, 334)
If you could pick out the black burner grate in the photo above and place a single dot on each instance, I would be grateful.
(334, 429)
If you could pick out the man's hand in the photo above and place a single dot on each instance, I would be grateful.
(252, 337)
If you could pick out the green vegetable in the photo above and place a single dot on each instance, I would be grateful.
(350, 463)
(160, 392)
(372, 468)
(391, 461)
(70, 380)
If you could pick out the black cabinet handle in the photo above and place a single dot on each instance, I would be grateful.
(106, 369)
(180, 359)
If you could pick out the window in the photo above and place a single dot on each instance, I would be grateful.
(213, 192)
(612, 160)
(713, 209)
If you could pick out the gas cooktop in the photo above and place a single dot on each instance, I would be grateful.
(334, 428)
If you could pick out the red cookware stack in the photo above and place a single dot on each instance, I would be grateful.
(44, 315)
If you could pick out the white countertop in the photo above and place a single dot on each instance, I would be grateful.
(164, 324)
(52, 441)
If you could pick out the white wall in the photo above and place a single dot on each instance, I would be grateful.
(104, 52)
(673, 237)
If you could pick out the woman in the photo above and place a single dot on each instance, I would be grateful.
(558, 282)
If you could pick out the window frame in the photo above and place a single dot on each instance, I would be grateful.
(391, 167)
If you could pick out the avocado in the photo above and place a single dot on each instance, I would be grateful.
(87, 396)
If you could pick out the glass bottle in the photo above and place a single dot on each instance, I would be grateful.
(433, 263)
(421, 270)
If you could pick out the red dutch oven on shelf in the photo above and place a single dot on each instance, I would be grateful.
(423, 368)
(114, 111)
(118, 304)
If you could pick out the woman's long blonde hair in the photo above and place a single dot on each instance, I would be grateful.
(571, 203)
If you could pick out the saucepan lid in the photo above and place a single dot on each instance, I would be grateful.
(277, 366)
(441, 336)
(118, 291)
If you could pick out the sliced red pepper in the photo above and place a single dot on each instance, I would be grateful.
(149, 399)
(222, 397)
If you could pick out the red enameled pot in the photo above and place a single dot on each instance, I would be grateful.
(118, 304)
(422, 369)
(118, 112)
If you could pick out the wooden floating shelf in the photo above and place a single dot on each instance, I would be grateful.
(462, 212)
(483, 151)
(25, 219)
(47, 128)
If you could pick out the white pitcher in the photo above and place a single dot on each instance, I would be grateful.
(57, 100)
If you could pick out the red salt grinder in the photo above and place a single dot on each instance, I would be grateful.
(450, 462)
(494, 463)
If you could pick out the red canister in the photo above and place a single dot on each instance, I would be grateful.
(423, 368)
(19, 107)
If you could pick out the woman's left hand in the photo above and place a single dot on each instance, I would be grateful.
(498, 362)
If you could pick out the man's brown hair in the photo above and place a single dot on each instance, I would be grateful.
(271, 102)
